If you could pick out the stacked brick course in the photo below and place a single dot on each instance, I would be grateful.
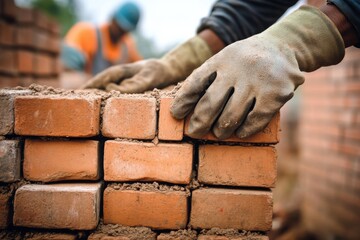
(29, 47)
(93, 160)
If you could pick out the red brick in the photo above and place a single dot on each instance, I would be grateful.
(237, 165)
(8, 8)
(42, 20)
(138, 161)
(269, 135)
(169, 127)
(50, 161)
(214, 237)
(10, 160)
(9, 82)
(130, 117)
(25, 61)
(42, 40)
(8, 61)
(155, 209)
(25, 15)
(43, 65)
(61, 116)
(7, 109)
(58, 206)
(227, 208)
(7, 33)
(53, 44)
(25, 37)
(5, 210)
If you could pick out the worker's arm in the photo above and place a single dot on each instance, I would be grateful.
(241, 88)
(229, 21)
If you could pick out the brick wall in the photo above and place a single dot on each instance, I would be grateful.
(93, 165)
(330, 149)
(29, 47)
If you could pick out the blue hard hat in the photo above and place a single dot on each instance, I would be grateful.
(127, 16)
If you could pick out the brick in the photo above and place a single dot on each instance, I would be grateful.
(8, 9)
(7, 109)
(228, 208)
(155, 209)
(43, 65)
(8, 82)
(42, 20)
(54, 28)
(41, 40)
(25, 36)
(25, 61)
(8, 61)
(7, 33)
(214, 237)
(9, 160)
(130, 117)
(269, 135)
(237, 165)
(25, 16)
(58, 206)
(50, 161)
(5, 211)
(58, 116)
(139, 161)
(169, 127)
(53, 44)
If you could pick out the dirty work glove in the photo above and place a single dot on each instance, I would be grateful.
(145, 75)
(242, 87)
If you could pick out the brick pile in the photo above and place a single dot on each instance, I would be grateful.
(29, 47)
(330, 149)
(96, 165)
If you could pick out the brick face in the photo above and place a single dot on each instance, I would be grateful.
(237, 165)
(269, 135)
(25, 61)
(136, 161)
(5, 212)
(58, 206)
(7, 60)
(49, 161)
(239, 209)
(9, 160)
(57, 116)
(126, 117)
(7, 33)
(169, 127)
(159, 210)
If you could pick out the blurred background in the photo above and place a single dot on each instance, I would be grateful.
(318, 187)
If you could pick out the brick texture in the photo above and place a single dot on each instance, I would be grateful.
(49, 161)
(25, 61)
(8, 60)
(5, 211)
(57, 116)
(126, 117)
(169, 127)
(9, 160)
(137, 161)
(58, 206)
(237, 165)
(269, 135)
(158, 210)
(7, 33)
(7, 109)
(227, 208)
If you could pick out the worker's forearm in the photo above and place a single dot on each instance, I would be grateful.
(214, 42)
(345, 28)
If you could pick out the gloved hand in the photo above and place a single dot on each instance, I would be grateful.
(242, 87)
(154, 73)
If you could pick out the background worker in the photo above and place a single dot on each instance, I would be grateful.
(241, 88)
(91, 49)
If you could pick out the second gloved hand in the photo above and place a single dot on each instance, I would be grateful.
(242, 87)
(148, 74)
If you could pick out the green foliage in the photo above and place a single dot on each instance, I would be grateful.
(64, 12)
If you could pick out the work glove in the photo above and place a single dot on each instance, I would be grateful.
(154, 73)
(240, 89)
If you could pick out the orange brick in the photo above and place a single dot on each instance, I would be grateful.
(155, 209)
(5, 209)
(43, 65)
(138, 161)
(62, 116)
(228, 208)
(269, 135)
(169, 127)
(8, 61)
(58, 206)
(50, 161)
(130, 117)
(7, 33)
(237, 165)
(25, 36)
(214, 237)
(42, 40)
(25, 61)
